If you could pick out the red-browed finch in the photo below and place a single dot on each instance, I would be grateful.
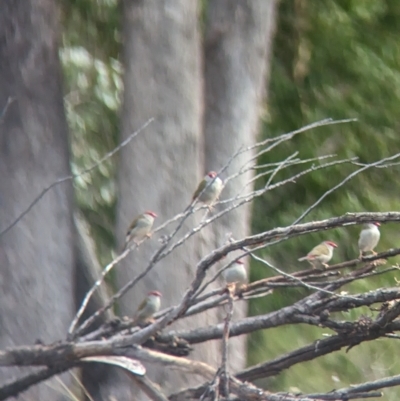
(149, 306)
(236, 273)
(369, 238)
(140, 228)
(320, 255)
(208, 194)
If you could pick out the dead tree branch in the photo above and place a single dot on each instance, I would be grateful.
(157, 344)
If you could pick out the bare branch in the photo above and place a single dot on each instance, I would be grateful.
(351, 334)
(285, 315)
(243, 391)
(347, 393)
(225, 343)
(150, 388)
(157, 256)
(60, 353)
(294, 278)
(88, 262)
(92, 290)
(17, 386)
(297, 230)
(117, 342)
(73, 176)
(160, 254)
(285, 137)
(340, 184)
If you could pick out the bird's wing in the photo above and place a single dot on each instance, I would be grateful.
(133, 225)
(199, 189)
(138, 223)
(319, 250)
(141, 306)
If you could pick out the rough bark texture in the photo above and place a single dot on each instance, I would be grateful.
(160, 169)
(237, 50)
(36, 256)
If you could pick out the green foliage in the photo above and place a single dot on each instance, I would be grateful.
(338, 59)
(94, 25)
(93, 84)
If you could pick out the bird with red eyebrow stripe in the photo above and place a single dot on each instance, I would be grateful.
(320, 255)
(208, 192)
(149, 306)
(369, 238)
(139, 228)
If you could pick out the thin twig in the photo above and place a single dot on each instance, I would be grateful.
(225, 343)
(5, 108)
(340, 184)
(91, 319)
(92, 290)
(309, 310)
(157, 256)
(150, 388)
(360, 388)
(285, 137)
(160, 253)
(294, 278)
(73, 176)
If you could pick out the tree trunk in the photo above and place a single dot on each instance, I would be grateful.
(159, 170)
(36, 255)
(237, 51)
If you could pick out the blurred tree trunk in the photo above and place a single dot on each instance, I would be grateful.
(37, 255)
(159, 170)
(238, 41)
(162, 167)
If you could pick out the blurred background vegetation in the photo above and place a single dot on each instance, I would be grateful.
(90, 54)
(332, 58)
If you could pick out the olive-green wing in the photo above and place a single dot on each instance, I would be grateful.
(320, 249)
(199, 189)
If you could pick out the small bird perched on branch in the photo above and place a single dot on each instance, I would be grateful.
(139, 228)
(149, 306)
(236, 273)
(369, 238)
(208, 194)
(320, 255)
